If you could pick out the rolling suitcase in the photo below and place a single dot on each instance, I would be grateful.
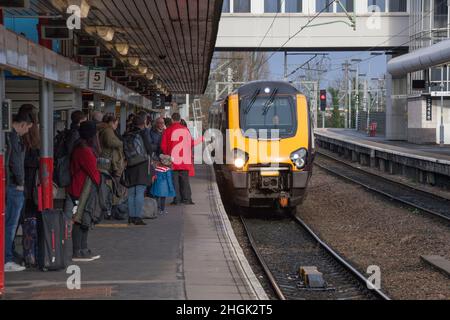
(52, 230)
(30, 241)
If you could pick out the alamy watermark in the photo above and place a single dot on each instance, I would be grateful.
(74, 280)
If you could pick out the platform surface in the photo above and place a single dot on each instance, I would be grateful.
(431, 152)
(187, 254)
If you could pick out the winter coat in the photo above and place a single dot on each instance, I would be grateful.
(83, 164)
(155, 138)
(139, 175)
(163, 185)
(15, 159)
(111, 148)
(177, 142)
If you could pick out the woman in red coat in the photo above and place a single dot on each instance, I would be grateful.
(83, 165)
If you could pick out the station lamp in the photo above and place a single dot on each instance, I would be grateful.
(122, 48)
(106, 33)
(150, 75)
(143, 69)
(134, 61)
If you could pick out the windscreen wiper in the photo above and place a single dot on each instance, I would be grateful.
(252, 102)
(269, 102)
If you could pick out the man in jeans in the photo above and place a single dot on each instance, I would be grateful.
(177, 142)
(138, 176)
(15, 157)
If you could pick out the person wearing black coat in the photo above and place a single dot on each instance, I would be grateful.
(138, 177)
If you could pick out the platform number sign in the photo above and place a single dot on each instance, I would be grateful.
(429, 108)
(7, 115)
(97, 79)
(159, 102)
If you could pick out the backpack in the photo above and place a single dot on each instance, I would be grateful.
(134, 149)
(62, 176)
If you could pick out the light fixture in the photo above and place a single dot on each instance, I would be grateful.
(143, 69)
(106, 33)
(134, 61)
(122, 48)
(150, 75)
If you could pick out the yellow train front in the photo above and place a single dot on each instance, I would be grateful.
(269, 147)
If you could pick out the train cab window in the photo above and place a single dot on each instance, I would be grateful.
(269, 113)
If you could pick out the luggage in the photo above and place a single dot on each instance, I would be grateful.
(30, 241)
(52, 231)
(150, 210)
(120, 212)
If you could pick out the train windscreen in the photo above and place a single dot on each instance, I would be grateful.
(267, 113)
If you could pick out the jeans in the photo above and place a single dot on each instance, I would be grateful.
(136, 201)
(14, 203)
(182, 186)
(79, 238)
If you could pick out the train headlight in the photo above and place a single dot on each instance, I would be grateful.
(239, 163)
(240, 158)
(299, 158)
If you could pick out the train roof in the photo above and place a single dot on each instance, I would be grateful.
(282, 86)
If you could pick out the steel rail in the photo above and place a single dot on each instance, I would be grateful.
(384, 193)
(270, 276)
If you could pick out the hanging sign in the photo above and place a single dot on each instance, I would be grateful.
(97, 79)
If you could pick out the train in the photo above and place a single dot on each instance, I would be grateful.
(268, 144)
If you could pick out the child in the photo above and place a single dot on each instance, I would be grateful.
(162, 187)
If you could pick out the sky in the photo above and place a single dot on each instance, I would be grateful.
(375, 67)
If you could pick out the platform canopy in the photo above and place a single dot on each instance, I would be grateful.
(172, 40)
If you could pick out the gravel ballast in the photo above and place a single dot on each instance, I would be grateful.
(368, 230)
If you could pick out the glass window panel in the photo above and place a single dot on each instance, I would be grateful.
(440, 14)
(320, 4)
(272, 6)
(379, 3)
(397, 6)
(348, 5)
(226, 6)
(241, 6)
(293, 6)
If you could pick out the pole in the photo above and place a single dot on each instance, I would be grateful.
(367, 105)
(346, 66)
(350, 103)
(2, 190)
(285, 66)
(442, 140)
(357, 97)
(46, 161)
(230, 81)
(123, 117)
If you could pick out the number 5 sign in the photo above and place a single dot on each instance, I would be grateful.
(97, 79)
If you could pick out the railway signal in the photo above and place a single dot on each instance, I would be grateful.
(323, 100)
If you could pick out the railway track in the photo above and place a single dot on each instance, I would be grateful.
(418, 199)
(296, 246)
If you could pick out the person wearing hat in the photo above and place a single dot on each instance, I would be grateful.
(83, 165)
(162, 187)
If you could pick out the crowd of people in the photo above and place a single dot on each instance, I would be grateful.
(99, 169)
